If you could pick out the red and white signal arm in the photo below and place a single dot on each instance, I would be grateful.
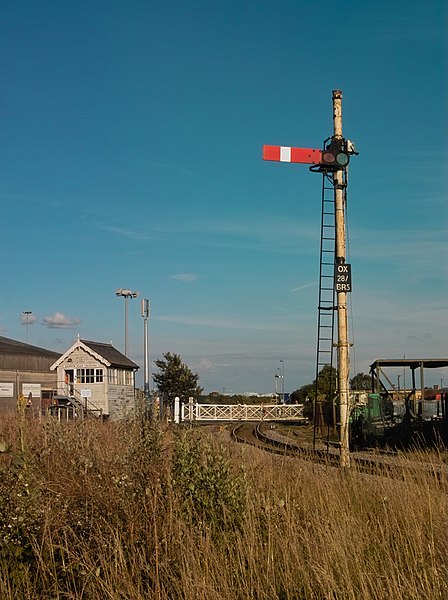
(309, 156)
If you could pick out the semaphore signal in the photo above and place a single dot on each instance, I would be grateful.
(332, 161)
(335, 155)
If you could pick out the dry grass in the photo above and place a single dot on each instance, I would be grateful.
(97, 510)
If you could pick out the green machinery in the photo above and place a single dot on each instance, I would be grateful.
(370, 421)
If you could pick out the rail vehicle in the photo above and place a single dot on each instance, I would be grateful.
(380, 422)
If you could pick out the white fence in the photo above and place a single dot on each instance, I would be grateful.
(239, 412)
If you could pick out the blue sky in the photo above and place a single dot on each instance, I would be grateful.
(131, 157)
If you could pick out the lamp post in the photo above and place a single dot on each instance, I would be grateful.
(276, 378)
(126, 294)
(27, 314)
(283, 380)
(145, 315)
(404, 377)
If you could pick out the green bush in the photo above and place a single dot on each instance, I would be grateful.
(205, 485)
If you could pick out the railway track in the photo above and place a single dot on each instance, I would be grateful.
(253, 434)
(370, 462)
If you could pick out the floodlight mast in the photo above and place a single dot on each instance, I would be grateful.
(332, 161)
(126, 294)
(27, 314)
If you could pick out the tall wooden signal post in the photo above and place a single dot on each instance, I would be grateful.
(335, 274)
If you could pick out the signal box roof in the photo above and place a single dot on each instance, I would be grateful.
(105, 353)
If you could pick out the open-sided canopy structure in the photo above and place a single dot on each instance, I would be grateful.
(412, 363)
(378, 373)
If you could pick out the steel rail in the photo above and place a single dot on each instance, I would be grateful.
(250, 433)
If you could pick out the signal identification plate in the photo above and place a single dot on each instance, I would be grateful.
(343, 278)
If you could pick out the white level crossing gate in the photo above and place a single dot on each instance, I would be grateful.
(193, 412)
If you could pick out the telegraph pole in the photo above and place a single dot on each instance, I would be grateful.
(341, 294)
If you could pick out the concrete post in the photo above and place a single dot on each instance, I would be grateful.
(177, 409)
(190, 408)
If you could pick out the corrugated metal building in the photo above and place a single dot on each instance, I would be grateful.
(93, 375)
(25, 369)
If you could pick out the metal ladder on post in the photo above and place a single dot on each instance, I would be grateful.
(327, 296)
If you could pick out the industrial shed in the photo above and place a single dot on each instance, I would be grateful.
(25, 369)
(99, 377)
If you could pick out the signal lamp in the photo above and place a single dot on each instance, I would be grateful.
(335, 155)
(342, 159)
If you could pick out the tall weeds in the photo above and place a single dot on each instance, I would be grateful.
(98, 510)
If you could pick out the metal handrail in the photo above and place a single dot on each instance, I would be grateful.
(68, 390)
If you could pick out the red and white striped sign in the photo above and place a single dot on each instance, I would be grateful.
(309, 156)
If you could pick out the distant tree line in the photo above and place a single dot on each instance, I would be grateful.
(327, 385)
(325, 389)
(176, 379)
(217, 398)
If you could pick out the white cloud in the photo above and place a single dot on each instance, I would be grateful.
(206, 364)
(60, 321)
(32, 199)
(132, 234)
(219, 322)
(185, 277)
(303, 287)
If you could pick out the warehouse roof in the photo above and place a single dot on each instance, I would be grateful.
(14, 347)
(19, 356)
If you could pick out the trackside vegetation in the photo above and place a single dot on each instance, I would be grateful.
(135, 510)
